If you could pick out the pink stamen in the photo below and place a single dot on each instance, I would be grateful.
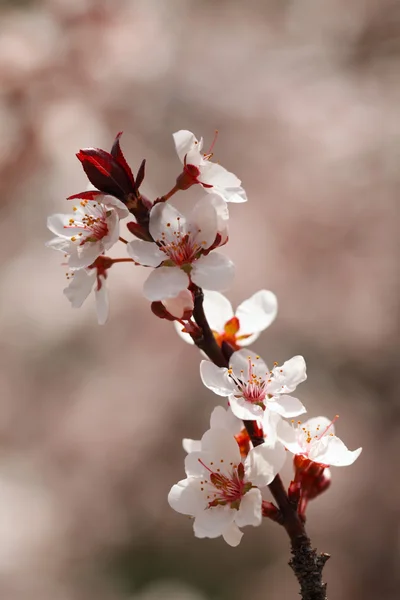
(328, 427)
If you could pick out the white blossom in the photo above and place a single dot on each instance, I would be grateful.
(181, 250)
(241, 328)
(221, 418)
(198, 168)
(221, 492)
(315, 439)
(89, 231)
(251, 388)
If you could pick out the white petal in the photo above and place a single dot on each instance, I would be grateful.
(111, 201)
(232, 535)
(264, 462)
(286, 406)
(213, 272)
(80, 287)
(229, 194)
(203, 223)
(62, 244)
(145, 253)
(332, 451)
(58, 225)
(269, 425)
(318, 425)
(216, 378)
(257, 313)
(191, 445)
(185, 497)
(287, 377)
(289, 436)
(196, 463)
(223, 446)
(112, 236)
(245, 410)
(222, 418)
(179, 305)
(249, 512)
(185, 336)
(241, 361)
(165, 222)
(165, 282)
(212, 522)
(86, 255)
(102, 303)
(218, 310)
(216, 175)
(184, 142)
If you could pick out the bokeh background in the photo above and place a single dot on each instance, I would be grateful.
(306, 97)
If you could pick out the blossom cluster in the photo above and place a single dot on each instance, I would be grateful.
(255, 428)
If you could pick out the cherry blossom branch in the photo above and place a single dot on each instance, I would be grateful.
(306, 563)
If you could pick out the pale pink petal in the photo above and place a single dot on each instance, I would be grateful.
(102, 303)
(249, 512)
(245, 410)
(216, 378)
(216, 175)
(165, 282)
(191, 445)
(218, 310)
(317, 426)
(232, 535)
(80, 287)
(242, 360)
(203, 223)
(257, 313)
(111, 201)
(287, 377)
(289, 436)
(112, 236)
(186, 498)
(286, 406)
(222, 418)
(165, 222)
(59, 225)
(212, 523)
(234, 194)
(184, 141)
(85, 255)
(264, 462)
(213, 272)
(196, 463)
(181, 304)
(332, 451)
(61, 244)
(222, 446)
(145, 253)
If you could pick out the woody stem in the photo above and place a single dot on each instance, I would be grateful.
(306, 563)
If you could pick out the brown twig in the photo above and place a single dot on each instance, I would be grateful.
(306, 563)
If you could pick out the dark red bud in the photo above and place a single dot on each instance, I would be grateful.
(271, 511)
(139, 231)
(160, 311)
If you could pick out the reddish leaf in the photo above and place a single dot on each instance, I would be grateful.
(116, 152)
(90, 195)
(105, 173)
(140, 174)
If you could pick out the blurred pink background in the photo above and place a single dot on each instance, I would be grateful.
(305, 95)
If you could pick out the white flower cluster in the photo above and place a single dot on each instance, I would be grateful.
(225, 472)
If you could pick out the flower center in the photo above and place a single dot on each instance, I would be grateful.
(180, 246)
(254, 388)
(93, 222)
(225, 489)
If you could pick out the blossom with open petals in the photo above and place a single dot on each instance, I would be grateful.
(89, 231)
(198, 168)
(221, 492)
(181, 250)
(251, 388)
(221, 418)
(241, 328)
(315, 439)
